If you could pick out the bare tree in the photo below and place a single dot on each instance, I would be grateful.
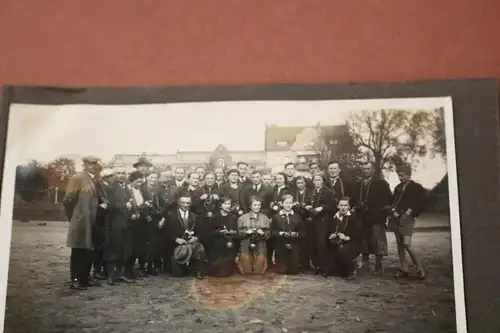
(391, 137)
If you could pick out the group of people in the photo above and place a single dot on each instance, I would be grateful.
(225, 222)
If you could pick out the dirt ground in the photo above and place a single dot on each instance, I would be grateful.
(38, 298)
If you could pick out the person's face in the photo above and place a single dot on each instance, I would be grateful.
(142, 168)
(108, 179)
(300, 183)
(403, 177)
(318, 182)
(333, 170)
(166, 176)
(210, 179)
(314, 169)
(256, 178)
(194, 180)
(184, 203)
(226, 206)
(219, 174)
(233, 177)
(152, 179)
(137, 183)
(93, 168)
(242, 168)
(290, 170)
(201, 172)
(367, 170)
(343, 206)
(266, 180)
(287, 204)
(255, 207)
(120, 176)
(179, 174)
(280, 180)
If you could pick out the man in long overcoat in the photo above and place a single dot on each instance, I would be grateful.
(84, 197)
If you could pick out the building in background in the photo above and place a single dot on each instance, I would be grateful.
(300, 145)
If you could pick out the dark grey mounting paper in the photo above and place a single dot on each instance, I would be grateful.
(476, 128)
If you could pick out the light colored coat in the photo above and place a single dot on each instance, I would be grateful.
(81, 204)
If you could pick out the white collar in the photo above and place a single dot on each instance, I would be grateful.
(91, 175)
(283, 212)
(338, 214)
(183, 212)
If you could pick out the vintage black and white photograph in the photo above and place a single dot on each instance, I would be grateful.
(238, 216)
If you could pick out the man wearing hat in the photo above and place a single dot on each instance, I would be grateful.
(143, 165)
(99, 266)
(83, 199)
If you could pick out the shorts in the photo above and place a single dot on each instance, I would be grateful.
(405, 225)
(374, 240)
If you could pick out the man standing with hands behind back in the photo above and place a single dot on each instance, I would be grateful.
(84, 197)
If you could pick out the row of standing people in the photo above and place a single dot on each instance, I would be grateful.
(178, 226)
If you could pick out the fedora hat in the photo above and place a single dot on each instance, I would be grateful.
(183, 253)
(142, 161)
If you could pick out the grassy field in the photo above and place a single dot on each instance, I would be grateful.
(38, 298)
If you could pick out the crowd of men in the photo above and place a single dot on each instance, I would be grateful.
(124, 226)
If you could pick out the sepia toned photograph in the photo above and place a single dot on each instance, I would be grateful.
(237, 216)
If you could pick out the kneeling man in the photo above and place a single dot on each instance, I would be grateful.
(188, 255)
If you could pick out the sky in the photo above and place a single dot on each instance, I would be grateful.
(45, 132)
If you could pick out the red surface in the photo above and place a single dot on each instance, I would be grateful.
(119, 42)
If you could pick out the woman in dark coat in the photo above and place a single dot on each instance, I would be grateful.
(221, 242)
(345, 241)
(286, 229)
(322, 204)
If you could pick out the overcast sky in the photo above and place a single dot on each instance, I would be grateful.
(45, 132)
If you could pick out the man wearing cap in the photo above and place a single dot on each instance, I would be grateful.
(99, 232)
(84, 197)
(143, 165)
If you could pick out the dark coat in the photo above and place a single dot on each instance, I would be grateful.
(373, 201)
(324, 198)
(412, 198)
(342, 188)
(237, 195)
(341, 256)
(174, 227)
(278, 195)
(287, 260)
(119, 233)
(221, 259)
(265, 193)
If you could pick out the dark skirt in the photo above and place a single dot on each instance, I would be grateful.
(287, 261)
(221, 261)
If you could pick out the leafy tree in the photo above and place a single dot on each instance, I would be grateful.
(391, 137)
(59, 171)
(30, 181)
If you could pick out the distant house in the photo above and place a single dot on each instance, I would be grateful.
(300, 145)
